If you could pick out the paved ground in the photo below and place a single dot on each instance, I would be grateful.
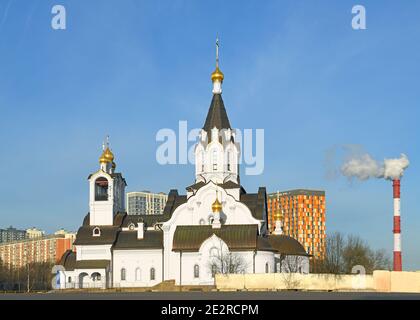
(288, 295)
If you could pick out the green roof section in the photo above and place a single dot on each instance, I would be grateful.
(236, 237)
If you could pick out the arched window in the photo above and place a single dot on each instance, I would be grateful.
(123, 274)
(101, 189)
(96, 232)
(96, 276)
(214, 160)
(266, 268)
(138, 274)
(152, 274)
(69, 280)
(196, 271)
(228, 160)
(210, 219)
(202, 222)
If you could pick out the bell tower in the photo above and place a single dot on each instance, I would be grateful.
(106, 190)
(217, 153)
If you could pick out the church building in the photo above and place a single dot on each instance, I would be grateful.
(216, 227)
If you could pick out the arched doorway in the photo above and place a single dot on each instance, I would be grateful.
(96, 280)
(83, 280)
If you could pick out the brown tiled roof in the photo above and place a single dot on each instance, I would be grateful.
(287, 245)
(257, 203)
(196, 186)
(92, 264)
(229, 185)
(68, 260)
(237, 237)
(264, 245)
(226, 185)
(85, 236)
(148, 219)
(128, 240)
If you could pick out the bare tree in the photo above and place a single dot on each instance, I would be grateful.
(342, 254)
(223, 261)
(37, 276)
(290, 267)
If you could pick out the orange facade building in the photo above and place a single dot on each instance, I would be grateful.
(303, 217)
(49, 249)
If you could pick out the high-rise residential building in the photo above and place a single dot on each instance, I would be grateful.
(146, 202)
(11, 234)
(303, 217)
(34, 233)
(16, 254)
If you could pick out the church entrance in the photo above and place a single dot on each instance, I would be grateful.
(83, 280)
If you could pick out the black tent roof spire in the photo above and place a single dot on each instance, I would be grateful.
(217, 116)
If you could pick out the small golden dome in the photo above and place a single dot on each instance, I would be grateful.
(216, 206)
(278, 215)
(108, 155)
(103, 159)
(217, 75)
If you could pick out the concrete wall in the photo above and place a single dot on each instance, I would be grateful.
(381, 281)
(387, 281)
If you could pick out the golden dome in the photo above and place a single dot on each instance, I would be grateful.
(278, 215)
(103, 159)
(217, 75)
(216, 206)
(108, 155)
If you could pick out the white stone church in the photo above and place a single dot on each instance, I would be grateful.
(217, 227)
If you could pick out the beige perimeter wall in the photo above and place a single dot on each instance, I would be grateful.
(381, 281)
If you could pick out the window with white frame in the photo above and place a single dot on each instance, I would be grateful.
(138, 274)
(123, 274)
(96, 232)
(214, 160)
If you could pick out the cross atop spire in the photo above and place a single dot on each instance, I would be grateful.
(217, 52)
(217, 75)
(105, 143)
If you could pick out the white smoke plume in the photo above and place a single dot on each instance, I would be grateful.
(364, 167)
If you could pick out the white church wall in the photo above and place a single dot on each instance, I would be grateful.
(93, 252)
(138, 265)
(196, 211)
(64, 282)
(101, 212)
(263, 258)
(90, 278)
(189, 261)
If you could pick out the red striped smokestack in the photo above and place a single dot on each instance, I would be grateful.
(397, 226)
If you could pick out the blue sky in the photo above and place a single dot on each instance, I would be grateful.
(129, 68)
